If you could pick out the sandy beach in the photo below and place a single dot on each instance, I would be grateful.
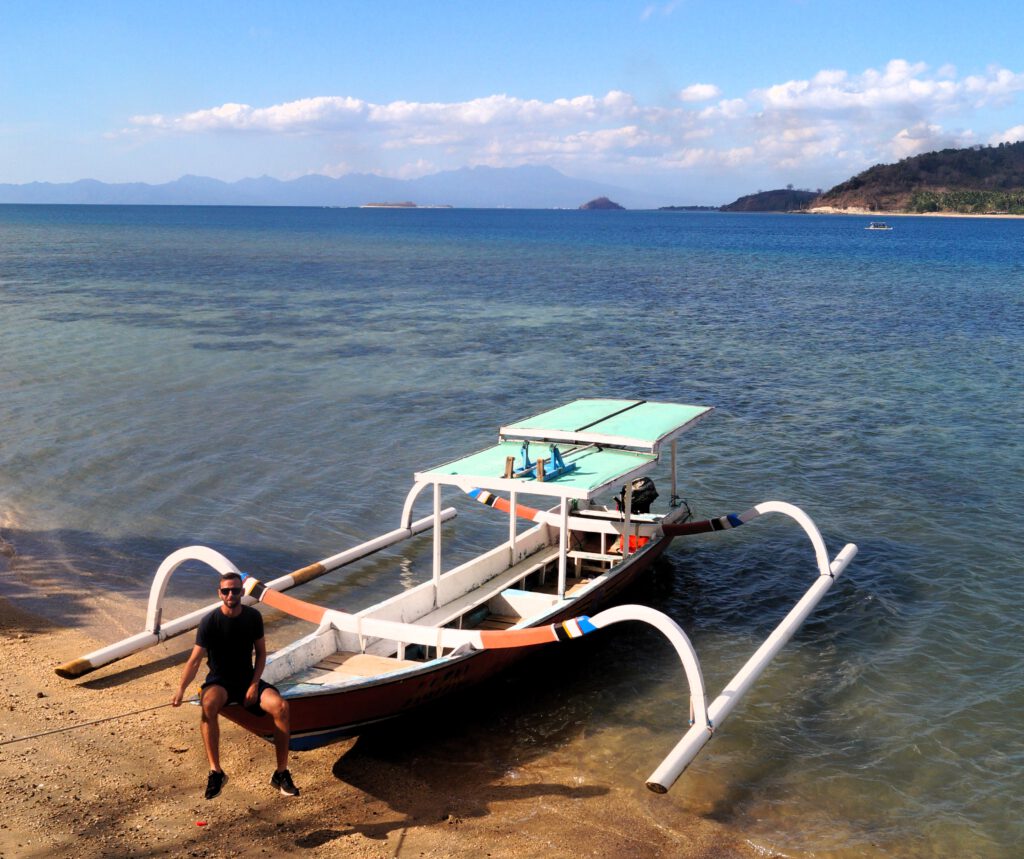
(832, 210)
(132, 786)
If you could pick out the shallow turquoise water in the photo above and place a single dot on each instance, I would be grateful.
(265, 381)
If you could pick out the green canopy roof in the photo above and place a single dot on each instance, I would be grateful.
(610, 442)
(633, 424)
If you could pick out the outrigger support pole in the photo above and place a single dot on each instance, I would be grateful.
(693, 741)
(155, 631)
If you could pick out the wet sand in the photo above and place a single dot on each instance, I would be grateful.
(133, 786)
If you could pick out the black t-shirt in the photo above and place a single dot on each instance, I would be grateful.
(229, 645)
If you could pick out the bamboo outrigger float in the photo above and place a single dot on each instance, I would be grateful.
(535, 587)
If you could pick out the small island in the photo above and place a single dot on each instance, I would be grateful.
(688, 208)
(405, 205)
(780, 200)
(602, 204)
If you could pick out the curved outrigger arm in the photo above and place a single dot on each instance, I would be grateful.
(687, 748)
(668, 529)
(673, 529)
(828, 571)
(734, 520)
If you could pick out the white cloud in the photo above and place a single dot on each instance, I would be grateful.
(306, 114)
(415, 169)
(1011, 135)
(335, 170)
(828, 125)
(697, 158)
(730, 108)
(830, 77)
(901, 85)
(699, 92)
(328, 113)
(923, 137)
(653, 9)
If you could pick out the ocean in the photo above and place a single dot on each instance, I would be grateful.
(266, 380)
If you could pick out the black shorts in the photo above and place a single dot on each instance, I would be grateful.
(236, 693)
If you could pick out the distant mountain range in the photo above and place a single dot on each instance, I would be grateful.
(471, 187)
(981, 179)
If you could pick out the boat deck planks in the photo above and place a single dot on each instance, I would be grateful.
(571, 586)
(345, 665)
(498, 621)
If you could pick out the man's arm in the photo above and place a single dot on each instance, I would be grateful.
(252, 694)
(188, 673)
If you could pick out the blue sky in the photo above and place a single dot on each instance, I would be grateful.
(699, 101)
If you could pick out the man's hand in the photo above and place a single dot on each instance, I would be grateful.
(252, 694)
(176, 700)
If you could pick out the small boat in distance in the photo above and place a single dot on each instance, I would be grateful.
(536, 586)
(878, 225)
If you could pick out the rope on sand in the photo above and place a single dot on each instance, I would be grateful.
(93, 722)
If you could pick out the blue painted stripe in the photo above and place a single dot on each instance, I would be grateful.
(734, 520)
(585, 624)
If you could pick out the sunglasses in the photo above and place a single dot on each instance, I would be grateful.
(227, 591)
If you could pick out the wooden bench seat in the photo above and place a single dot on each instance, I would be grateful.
(454, 610)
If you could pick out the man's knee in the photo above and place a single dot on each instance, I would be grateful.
(274, 704)
(213, 700)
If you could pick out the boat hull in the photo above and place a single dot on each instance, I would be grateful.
(321, 717)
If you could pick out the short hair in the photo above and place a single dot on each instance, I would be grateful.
(224, 576)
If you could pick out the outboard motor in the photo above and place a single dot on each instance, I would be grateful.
(644, 493)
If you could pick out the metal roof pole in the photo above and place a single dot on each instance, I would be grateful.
(437, 537)
(512, 526)
(627, 504)
(563, 546)
(675, 493)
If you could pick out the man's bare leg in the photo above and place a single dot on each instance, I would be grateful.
(213, 701)
(277, 709)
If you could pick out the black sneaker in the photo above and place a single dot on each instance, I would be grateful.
(214, 783)
(283, 782)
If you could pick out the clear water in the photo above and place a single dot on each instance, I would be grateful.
(265, 381)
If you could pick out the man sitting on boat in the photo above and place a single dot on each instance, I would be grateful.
(227, 637)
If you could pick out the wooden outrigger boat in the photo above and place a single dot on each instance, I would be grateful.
(537, 586)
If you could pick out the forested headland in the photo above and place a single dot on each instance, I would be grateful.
(981, 180)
